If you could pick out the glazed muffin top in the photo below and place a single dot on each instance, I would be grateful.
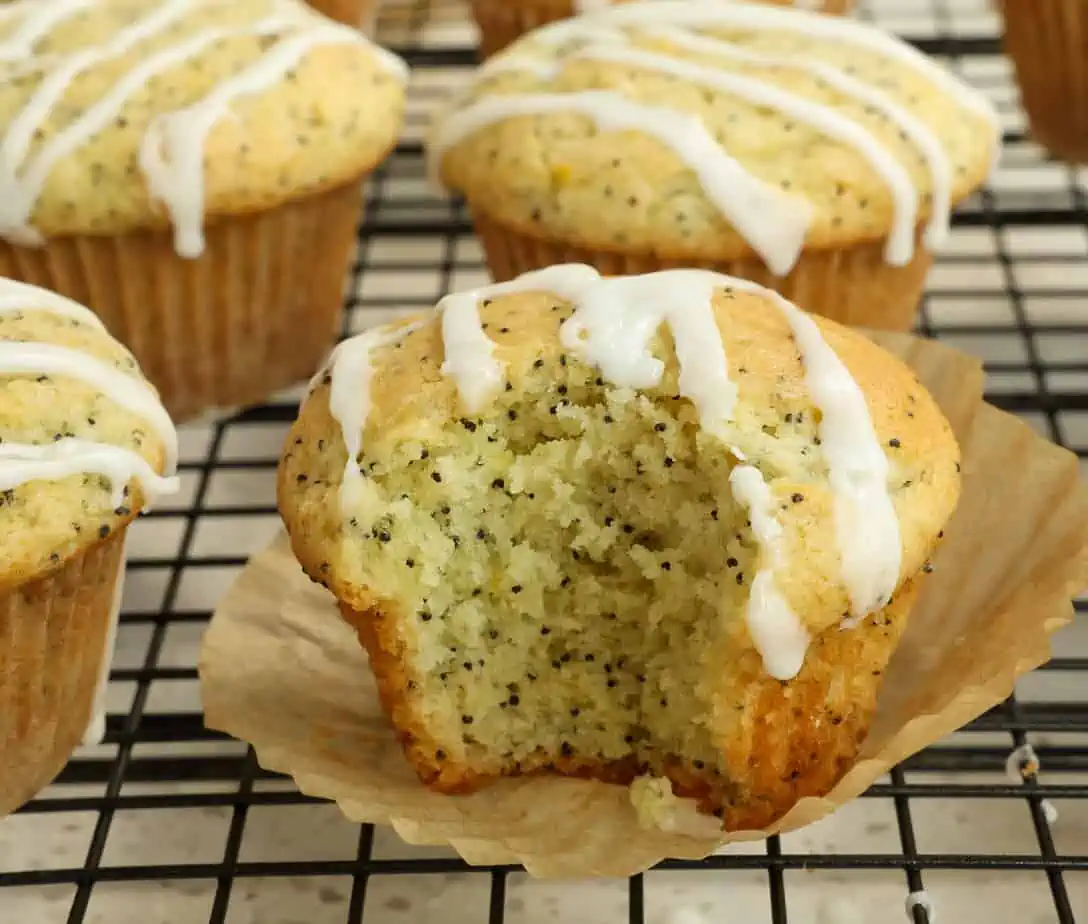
(710, 413)
(121, 115)
(703, 130)
(84, 442)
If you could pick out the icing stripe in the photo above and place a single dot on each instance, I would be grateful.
(21, 463)
(42, 18)
(349, 395)
(18, 200)
(866, 524)
(130, 393)
(616, 319)
(772, 223)
(777, 633)
(469, 351)
(914, 130)
(172, 151)
(824, 119)
(55, 83)
(744, 15)
(19, 298)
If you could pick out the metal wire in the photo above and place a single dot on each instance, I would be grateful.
(1008, 289)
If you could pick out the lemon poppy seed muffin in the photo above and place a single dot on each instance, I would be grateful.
(190, 170)
(503, 21)
(1047, 41)
(809, 153)
(607, 527)
(85, 445)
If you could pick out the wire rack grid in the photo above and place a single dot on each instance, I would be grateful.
(169, 822)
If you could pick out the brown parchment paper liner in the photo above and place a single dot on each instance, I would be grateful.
(504, 21)
(256, 313)
(852, 285)
(1048, 43)
(53, 634)
(282, 671)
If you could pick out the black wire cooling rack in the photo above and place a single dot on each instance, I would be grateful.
(167, 822)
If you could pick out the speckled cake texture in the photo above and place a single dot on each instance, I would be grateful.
(84, 444)
(191, 171)
(556, 571)
(810, 153)
(502, 22)
(1047, 41)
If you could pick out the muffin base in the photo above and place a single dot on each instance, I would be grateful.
(52, 644)
(852, 285)
(503, 21)
(790, 740)
(256, 313)
(357, 13)
(1048, 43)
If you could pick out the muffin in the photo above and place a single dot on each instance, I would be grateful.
(357, 13)
(191, 172)
(1048, 43)
(664, 525)
(85, 445)
(809, 153)
(502, 21)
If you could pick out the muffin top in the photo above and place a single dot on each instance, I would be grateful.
(703, 130)
(830, 469)
(121, 115)
(84, 441)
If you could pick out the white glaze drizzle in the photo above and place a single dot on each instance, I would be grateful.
(758, 16)
(350, 368)
(469, 352)
(96, 728)
(24, 462)
(772, 223)
(42, 19)
(134, 395)
(20, 298)
(866, 524)
(824, 119)
(777, 633)
(20, 131)
(616, 319)
(914, 129)
(172, 151)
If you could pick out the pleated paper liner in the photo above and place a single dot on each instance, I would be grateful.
(1048, 43)
(502, 22)
(283, 672)
(852, 285)
(53, 635)
(256, 313)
